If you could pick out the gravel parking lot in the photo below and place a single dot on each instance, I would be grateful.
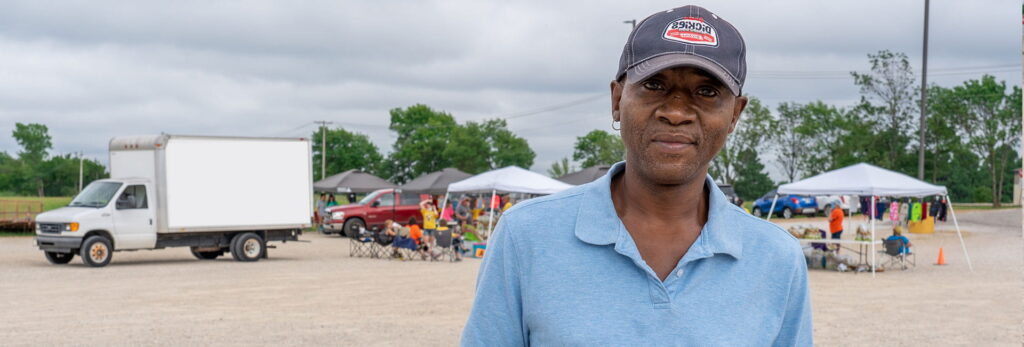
(314, 293)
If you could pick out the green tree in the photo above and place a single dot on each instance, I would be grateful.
(598, 147)
(61, 174)
(346, 151)
(751, 179)
(889, 98)
(423, 135)
(35, 142)
(561, 168)
(752, 134)
(478, 147)
(793, 152)
(988, 119)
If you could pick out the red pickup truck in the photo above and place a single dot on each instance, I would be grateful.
(372, 211)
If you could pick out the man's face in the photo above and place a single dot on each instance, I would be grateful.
(674, 122)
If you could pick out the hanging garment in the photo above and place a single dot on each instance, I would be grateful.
(915, 212)
(894, 211)
(924, 210)
(933, 209)
(943, 206)
(903, 213)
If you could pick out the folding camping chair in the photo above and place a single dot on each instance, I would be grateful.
(892, 251)
(445, 245)
(405, 247)
(363, 244)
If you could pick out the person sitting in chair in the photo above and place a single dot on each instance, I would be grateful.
(897, 234)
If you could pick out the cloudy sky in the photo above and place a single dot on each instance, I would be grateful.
(92, 70)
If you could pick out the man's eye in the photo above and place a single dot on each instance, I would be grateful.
(707, 91)
(653, 85)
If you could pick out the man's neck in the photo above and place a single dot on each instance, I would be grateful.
(685, 203)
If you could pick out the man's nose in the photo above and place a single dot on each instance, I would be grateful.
(676, 110)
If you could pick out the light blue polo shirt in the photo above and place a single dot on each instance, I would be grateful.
(562, 270)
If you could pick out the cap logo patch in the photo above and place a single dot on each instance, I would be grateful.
(691, 30)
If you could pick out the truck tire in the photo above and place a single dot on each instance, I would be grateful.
(352, 226)
(757, 212)
(206, 255)
(248, 247)
(787, 213)
(59, 258)
(96, 251)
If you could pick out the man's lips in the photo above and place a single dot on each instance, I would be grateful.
(674, 141)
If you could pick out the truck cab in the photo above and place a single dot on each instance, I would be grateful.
(372, 211)
(119, 210)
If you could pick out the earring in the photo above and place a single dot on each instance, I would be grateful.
(613, 125)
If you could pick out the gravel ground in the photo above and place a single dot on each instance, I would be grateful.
(314, 293)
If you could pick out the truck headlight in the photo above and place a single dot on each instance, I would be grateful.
(71, 227)
(338, 215)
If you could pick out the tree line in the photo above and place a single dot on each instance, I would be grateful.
(972, 141)
(34, 172)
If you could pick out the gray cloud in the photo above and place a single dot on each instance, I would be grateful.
(92, 71)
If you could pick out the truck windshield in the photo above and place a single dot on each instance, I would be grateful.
(96, 194)
(369, 197)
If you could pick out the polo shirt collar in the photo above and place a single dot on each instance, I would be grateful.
(597, 223)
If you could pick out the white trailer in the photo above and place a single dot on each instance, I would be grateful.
(212, 194)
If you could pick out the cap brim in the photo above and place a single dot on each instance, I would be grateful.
(649, 67)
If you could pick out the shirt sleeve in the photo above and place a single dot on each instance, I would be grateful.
(497, 315)
(796, 324)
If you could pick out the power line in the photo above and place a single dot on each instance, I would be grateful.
(552, 107)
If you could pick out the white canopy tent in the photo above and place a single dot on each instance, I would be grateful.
(867, 179)
(510, 179)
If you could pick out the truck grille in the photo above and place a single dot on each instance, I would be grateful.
(50, 227)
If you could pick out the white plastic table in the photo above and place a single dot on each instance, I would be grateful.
(863, 247)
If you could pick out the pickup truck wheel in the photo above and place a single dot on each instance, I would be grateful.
(757, 212)
(59, 258)
(247, 247)
(206, 255)
(352, 226)
(96, 251)
(787, 213)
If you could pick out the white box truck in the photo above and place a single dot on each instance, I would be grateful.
(212, 194)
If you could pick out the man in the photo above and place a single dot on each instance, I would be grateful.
(897, 234)
(651, 254)
(835, 224)
(462, 212)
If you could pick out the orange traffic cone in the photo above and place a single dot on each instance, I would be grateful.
(942, 258)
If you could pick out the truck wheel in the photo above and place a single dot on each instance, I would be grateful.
(787, 213)
(59, 258)
(247, 247)
(757, 212)
(352, 226)
(206, 255)
(96, 251)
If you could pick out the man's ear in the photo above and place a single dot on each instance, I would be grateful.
(616, 88)
(741, 103)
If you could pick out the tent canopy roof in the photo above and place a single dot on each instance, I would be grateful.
(862, 179)
(435, 182)
(351, 181)
(510, 179)
(586, 175)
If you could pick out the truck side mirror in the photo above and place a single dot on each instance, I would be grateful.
(375, 203)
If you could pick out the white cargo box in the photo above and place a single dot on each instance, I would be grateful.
(220, 183)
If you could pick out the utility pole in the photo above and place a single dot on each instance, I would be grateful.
(924, 96)
(631, 21)
(81, 164)
(323, 148)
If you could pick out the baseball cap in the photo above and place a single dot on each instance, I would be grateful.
(685, 36)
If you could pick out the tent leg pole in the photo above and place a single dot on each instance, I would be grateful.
(874, 260)
(958, 234)
(444, 203)
(771, 210)
(490, 220)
